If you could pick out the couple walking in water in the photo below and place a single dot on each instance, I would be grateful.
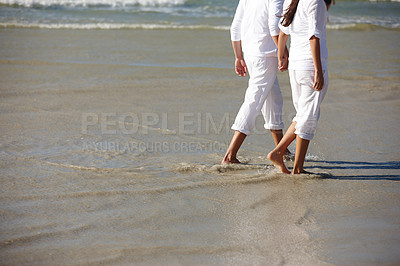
(259, 33)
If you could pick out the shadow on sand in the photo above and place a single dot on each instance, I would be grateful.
(392, 165)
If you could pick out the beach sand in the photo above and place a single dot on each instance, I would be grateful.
(111, 142)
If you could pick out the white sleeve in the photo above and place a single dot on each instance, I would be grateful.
(281, 27)
(274, 14)
(237, 22)
(316, 18)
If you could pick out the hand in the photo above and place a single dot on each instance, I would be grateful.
(283, 61)
(240, 67)
(283, 64)
(318, 80)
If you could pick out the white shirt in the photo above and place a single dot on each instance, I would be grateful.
(310, 19)
(254, 23)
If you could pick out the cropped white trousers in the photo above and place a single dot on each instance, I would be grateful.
(263, 94)
(306, 101)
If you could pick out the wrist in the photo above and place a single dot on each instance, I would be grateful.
(318, 69)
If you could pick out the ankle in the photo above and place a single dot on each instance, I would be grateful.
(278, 151)
(229, 157)
(297, 170)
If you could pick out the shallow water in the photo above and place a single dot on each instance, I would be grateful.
(111, 142)
(172, 14)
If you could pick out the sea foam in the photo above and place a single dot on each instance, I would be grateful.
(109, 26)
(84, 3)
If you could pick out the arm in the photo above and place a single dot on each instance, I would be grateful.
(316, 24)
(240, 64)
(275, 39)
(316, 56)
(274, 17)
(283, 54)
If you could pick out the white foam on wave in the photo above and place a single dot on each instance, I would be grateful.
(117, 26)
(361, 26)
(108, 26)
(341, 26)
(363, 22)
(185, 168)
(29, 3)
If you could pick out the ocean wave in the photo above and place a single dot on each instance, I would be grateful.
(86, 3)
(121, 26)
(109, 26)
(361, 26)
(364, 21)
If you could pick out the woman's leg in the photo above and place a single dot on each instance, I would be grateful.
(307, 116)
(236, 142)
(276, 155)
(309, 103)
(301, 151)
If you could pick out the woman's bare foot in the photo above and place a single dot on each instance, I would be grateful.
(277, 160)
(301, 172)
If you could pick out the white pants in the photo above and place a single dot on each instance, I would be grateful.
(306, 101)
(263, 94)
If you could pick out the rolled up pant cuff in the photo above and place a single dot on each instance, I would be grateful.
(241, 130)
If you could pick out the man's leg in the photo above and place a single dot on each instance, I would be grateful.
(277, 135)
(236, 142)
(262, 73)
(272, 113)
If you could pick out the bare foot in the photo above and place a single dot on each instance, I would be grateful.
(277, 160)
(288, 156)
(230, 161)
(303, 172)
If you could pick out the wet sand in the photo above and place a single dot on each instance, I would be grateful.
(111, 144)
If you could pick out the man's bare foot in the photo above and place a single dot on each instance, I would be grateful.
(288, 156)
(230, 161)
(277, 160)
